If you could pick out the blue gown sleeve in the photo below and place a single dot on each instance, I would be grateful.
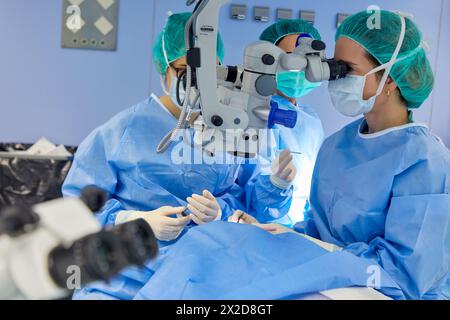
(229, 205)
(235, 196)
(307, 226)
(253, 193)
(415, 250)
(265, 201)
(94, 165)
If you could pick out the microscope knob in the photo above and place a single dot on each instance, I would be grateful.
(17, 220)
(318, 45)
(217, 121)
(286, 118)
(268, 59)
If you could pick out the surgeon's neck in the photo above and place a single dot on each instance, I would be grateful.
(291, 100)
(389, 115)
(175, 110)
(170, 106)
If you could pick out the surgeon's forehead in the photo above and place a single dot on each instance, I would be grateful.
(289, 42)
(350, 51)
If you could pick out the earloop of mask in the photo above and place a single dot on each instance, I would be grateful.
(388, 66)
(425, 46)
(166, 58)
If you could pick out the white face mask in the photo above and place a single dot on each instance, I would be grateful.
(173, 91)
(347, 94)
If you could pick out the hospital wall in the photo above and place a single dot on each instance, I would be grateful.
(440, 120)
(63, 93)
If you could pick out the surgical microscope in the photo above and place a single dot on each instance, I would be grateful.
(53, 248)
(235, 102)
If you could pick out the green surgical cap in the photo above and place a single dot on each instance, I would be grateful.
(172, 40)
(283, 28)
(412, 73)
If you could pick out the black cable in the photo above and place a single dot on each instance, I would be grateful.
(179, 81)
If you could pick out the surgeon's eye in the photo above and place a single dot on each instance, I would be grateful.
(180, 72)
(352, 68)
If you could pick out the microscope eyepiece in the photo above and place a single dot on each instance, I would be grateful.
(94, 198)
(102, 255)
(338, 69)
(138, 240)
(318, 45)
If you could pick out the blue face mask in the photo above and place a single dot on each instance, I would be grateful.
(294, 84)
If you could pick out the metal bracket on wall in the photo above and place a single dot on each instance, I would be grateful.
(284, 14)
(90, 24)
(309, 16)
(340, 18)
(261, 14)
(239, 12)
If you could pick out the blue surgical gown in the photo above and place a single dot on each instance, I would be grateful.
(385, 197)
(120, 157)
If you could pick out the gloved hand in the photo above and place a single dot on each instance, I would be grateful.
(204, 208)
(283, 171)
(164, 227)
(242, 218)
(275, 228)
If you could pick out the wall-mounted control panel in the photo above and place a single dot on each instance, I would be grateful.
(90, 24)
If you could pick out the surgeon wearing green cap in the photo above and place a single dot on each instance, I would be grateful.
(306, 138)
(169, 57)
(121, 157)
(285, 34)
(381, 186)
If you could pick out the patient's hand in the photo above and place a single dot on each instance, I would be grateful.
(242, 218)
(275, 228)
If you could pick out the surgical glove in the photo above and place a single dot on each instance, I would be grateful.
(283, 171)
(275, 228)
(242, 218)
(204, 208)
(164, 227)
